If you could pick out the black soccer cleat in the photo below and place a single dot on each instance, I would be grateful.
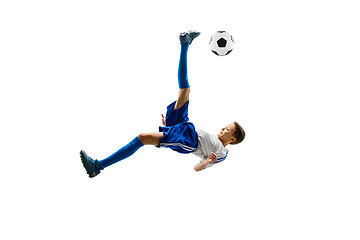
(188, 37)
(92, 166)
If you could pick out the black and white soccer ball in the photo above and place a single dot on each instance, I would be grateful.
(221, 43)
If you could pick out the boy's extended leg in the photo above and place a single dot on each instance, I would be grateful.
(129, 149)
(184, 87)
(93, 167)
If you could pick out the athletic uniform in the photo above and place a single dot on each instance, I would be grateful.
(180, 135)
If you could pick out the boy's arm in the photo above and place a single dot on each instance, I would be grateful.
(200, 166)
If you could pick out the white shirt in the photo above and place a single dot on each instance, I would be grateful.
(209, 143)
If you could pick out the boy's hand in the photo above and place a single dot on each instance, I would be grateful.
(163, 120)
(212, 158)
(201, 166)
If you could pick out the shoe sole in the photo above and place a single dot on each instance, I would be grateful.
(83, 157)
(192, 34)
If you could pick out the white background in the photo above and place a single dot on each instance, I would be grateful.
(93, 74)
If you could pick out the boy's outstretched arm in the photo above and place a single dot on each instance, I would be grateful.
(200, 166)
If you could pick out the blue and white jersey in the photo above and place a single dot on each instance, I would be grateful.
(209, 143)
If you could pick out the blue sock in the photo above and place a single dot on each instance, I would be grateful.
(182, 71)
(123, 152)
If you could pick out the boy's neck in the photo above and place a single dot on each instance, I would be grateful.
(224, 143)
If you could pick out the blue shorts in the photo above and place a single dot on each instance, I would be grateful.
(179, 134)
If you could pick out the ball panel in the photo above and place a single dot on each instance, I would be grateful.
(215, 52)
(221, 42)
(228, 52)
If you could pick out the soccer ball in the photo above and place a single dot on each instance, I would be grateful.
(221, 43)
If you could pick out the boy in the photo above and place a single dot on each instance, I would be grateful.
(178, 133)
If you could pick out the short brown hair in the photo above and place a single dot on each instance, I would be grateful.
(239, 134)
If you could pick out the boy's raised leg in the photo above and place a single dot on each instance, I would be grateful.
(184, 87)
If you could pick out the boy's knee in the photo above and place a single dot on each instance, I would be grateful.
(150, 138)
(143, 137)
(146, 138)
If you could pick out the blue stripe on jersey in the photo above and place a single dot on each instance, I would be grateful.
(221, 159)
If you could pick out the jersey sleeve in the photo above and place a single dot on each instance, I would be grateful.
(217, 161)
(221, 159)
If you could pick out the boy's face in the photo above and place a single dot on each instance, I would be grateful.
(227, 133)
